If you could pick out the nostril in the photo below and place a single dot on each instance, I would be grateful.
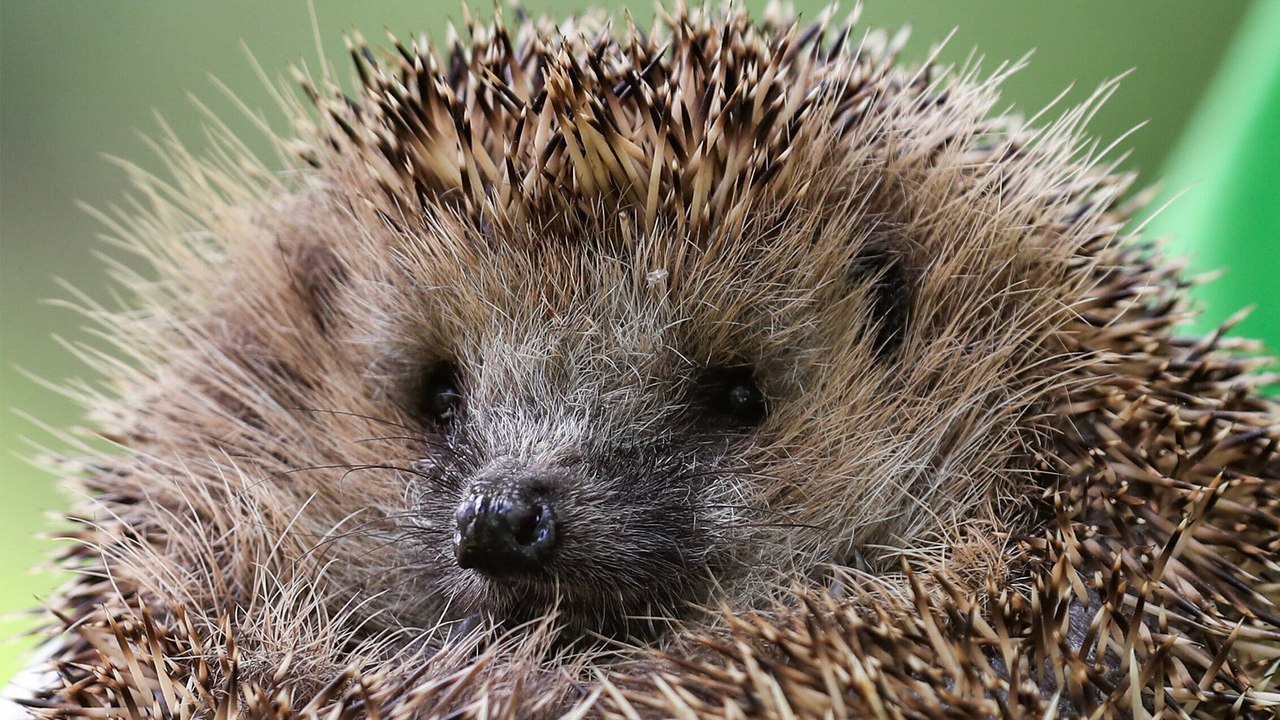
(538, 530)
(526, 531)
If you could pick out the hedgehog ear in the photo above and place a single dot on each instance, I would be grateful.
(890, 287)
(317, 275)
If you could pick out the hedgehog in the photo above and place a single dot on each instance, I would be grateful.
(730, 369)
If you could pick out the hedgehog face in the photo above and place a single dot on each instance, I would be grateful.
(606, 502)
(583, 448)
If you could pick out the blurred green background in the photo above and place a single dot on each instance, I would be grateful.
(81, 78)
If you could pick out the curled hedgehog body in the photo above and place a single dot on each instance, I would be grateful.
(729, 370)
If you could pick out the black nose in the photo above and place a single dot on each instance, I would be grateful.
(505, 530)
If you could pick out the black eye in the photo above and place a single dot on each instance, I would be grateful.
(728, 398)
(441, 398)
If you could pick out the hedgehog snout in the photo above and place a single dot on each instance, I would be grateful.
(507, 526)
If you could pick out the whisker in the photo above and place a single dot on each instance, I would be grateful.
(434, 480)
(347, 413)
(384, 438)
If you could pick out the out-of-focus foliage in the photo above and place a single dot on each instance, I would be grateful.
(1225, 178)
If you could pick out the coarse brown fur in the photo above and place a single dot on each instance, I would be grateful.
(991, 481)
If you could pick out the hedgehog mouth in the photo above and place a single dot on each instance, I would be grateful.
(577, 609)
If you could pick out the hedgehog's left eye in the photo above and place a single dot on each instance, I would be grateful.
(728, 398)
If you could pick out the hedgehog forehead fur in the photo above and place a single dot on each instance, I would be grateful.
(588, 328)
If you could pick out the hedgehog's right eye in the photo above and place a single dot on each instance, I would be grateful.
(441, 398)
(729, 399)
